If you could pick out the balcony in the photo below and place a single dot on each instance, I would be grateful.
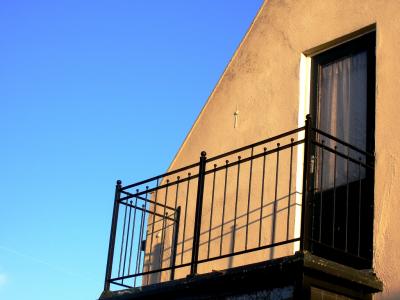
(303, 192)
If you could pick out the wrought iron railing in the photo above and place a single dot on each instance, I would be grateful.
(301, 190)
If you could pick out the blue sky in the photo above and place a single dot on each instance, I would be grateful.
(91, 92)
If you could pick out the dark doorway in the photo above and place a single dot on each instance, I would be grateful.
(343, 107)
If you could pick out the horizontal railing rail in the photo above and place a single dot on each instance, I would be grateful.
(244, 206)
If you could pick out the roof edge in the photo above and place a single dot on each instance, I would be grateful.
(218, 84)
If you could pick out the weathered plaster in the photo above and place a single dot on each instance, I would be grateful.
(262, 79)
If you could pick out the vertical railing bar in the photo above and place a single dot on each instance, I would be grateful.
(173, 246)
(176, 198)
(347, 199)
(132, 237)
(334, 199)
(175, 241)
(152, 224)
(162, 246)
(312, 196)
(198, 212)
(305, 220)
(359, 207)
(236, 204)
(122, 243)
(140, 268)
(321, 191)
(143, 241)
(249, 196)
(163, 230)
(113, 231)
(184, 220)
(290, 188)
(223, 207)
(211, 212)
(138, 257)
(275, 208)
(262, 198)
(127, 239)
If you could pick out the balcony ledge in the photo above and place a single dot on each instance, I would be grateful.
(289, 277)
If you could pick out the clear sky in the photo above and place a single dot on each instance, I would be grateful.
(90, 92)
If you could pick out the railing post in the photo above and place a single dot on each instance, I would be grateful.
(198, 212)
(113, 232)
(306, 203)
(175, 241)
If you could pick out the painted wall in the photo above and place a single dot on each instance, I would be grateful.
(262, 82)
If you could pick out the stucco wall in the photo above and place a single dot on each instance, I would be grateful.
(262, 82)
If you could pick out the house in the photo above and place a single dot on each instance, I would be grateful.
(296, 194)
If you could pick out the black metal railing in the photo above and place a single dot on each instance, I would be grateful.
(301, 190)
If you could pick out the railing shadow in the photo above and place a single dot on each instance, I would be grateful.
(228, 236)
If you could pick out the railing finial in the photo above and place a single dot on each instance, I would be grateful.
(203, 153)
(309, 120)
(119, 182)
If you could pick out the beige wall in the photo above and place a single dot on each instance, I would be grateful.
(262, 81)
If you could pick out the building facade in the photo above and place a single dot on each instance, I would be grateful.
(334, 61)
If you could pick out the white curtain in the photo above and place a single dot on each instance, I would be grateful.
(342, 112)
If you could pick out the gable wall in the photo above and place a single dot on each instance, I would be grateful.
(262, 80)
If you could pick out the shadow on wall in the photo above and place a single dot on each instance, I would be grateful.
(160, 255)
(232, 246)
(156, 264)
